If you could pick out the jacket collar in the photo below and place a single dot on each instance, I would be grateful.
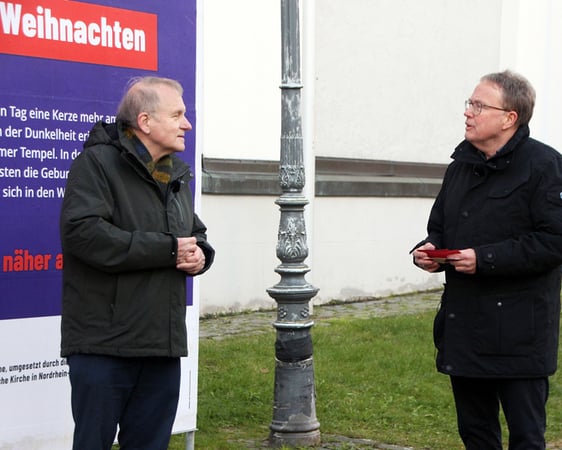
(117, 136)
(465, 152)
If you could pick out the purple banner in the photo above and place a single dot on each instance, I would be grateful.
(64, 67)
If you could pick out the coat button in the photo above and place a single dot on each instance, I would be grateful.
(464, 214)
(452, 316)
(500, 304)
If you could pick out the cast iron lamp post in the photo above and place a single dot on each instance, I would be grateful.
(294, 406)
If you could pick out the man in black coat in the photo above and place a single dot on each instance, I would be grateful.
(496, 230)
(130, 237)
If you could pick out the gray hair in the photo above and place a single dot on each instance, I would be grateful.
(140, 96)
(517, 92)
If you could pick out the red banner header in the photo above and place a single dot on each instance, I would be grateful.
(81, 32)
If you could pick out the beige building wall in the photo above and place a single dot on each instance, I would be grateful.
(383, 80)
(392, 76)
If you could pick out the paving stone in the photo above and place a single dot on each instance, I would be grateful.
(223, 326)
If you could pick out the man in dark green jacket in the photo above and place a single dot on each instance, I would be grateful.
(500, 212)
(129, 237)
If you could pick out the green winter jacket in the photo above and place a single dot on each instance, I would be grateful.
(122, 294)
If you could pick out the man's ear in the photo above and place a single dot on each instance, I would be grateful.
(510, 119)
(143, 122)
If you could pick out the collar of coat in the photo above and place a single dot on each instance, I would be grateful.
(465, 152)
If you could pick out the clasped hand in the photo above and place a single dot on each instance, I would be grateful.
(190, 257)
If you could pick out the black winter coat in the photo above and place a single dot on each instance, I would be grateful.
(122, 294)
(503, 321)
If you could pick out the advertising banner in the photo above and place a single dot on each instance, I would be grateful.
(65, 64)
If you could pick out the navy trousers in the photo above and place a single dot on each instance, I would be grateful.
(524, 405)
(140, 395)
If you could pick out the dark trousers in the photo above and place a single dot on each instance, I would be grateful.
(138, 394)
(524, 405)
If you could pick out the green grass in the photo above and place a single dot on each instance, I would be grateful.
(375, 379)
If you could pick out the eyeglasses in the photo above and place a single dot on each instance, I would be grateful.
(476, 107)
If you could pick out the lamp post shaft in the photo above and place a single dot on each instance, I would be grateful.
(294, 407)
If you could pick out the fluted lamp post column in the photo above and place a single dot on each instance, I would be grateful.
(294, 421)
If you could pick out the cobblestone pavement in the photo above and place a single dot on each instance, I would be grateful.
(222, 326)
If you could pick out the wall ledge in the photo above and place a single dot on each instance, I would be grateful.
(335, 177)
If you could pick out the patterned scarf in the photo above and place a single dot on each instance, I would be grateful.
(160, 170)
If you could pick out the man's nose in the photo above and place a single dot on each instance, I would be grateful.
(187, 124)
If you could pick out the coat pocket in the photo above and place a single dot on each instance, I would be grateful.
(554, 197)
(504, 325)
